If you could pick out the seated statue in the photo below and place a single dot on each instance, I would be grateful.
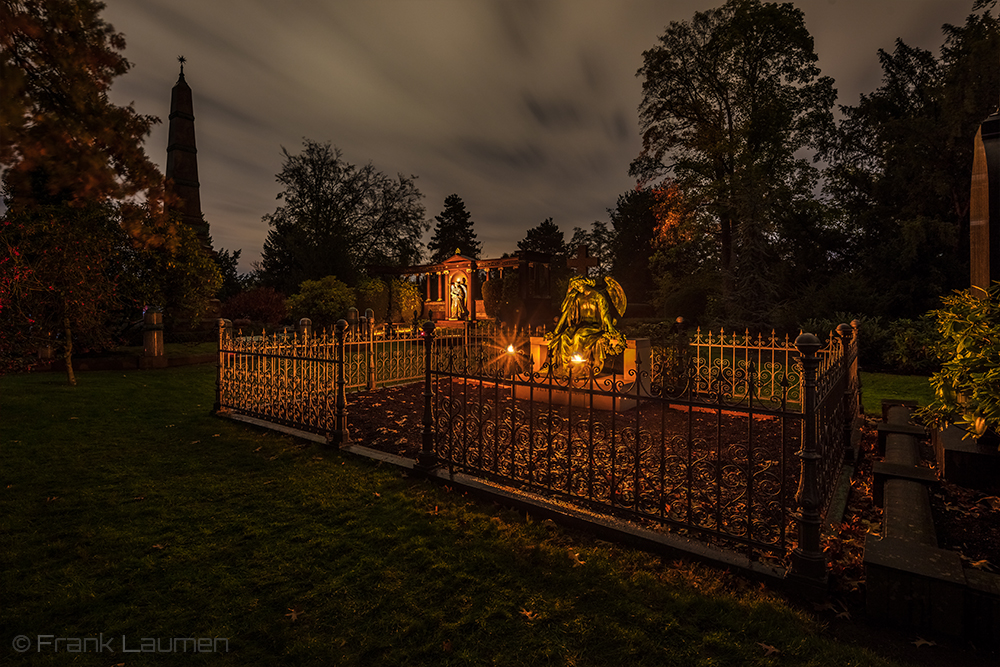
(586, 333)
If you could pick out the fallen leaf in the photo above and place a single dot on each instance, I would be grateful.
(216, 435)
(768, 650)
(530, 615)
(846, 615)
(923, 642)
(575, 557)
(446, 646)
(195, 442)
(294, 613)
(378, 495)
(982, 565)
(159, 546)
(434, 511)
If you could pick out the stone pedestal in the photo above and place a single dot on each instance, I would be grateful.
(623, 381)
(965, 461)
(152, 334)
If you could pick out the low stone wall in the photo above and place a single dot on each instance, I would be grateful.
(911, 582)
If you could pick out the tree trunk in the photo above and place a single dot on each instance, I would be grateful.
(68, 351)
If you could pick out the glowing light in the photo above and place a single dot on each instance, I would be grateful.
(577, 359)
(510, 349)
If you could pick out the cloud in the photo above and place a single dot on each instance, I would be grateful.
(524, 108)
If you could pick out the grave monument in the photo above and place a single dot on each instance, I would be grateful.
(984, 206)
(586, 349)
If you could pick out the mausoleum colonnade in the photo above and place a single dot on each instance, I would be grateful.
(452, 289)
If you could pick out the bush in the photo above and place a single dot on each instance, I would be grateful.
(406, 303)
(324, 301)
(901, 346)
(967, 388)
(259, 305)
(374, 294)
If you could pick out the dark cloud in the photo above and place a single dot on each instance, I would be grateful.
(553, 114)
(524, 108)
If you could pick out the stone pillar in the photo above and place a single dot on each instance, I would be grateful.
(152, 334)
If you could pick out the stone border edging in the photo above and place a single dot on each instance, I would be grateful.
(911, 582)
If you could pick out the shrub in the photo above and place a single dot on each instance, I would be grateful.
(259, 305)
(405, 304)
(914, 348)
(374, 294)
(324, 301)
(967, 388)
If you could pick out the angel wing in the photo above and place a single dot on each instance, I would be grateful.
(616, 294)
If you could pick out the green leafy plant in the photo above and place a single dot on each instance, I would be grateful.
(967, 388)
(324, 301)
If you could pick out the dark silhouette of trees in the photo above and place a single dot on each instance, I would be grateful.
(545, 238)
(729, 99)
(85, 206)
(454, 231)
(900, 168)
(338, 219)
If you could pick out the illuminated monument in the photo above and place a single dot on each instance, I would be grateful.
(984, 206)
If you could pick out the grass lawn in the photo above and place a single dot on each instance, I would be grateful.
(876, 386)
(127, 510)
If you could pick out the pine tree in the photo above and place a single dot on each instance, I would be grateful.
(545, 238)
(454, 231)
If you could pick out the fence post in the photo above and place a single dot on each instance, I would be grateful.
(808, 562)
(427, 459)
(856, 366)
(340, 435)
(224, 330)
(370, 347)
(844, 331)
(305, 328)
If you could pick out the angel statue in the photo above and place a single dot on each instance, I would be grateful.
(586, 333)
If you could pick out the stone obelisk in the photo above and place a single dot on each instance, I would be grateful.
(182, 158)
(984, 207)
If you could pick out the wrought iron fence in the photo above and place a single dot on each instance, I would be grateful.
(735, 440)
(741, 447)
(291, 377)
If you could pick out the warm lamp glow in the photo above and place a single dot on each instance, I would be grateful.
(510, 349)
(577, 359)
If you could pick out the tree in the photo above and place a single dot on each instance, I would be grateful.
(232, 282)
(339, 219)
(900, 166)
(545, 238)
(729, 99)
(599, 241)
(453, 232)
(633, 223)
(85, 206)
(57, 61)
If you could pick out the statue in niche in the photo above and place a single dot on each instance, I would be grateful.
(586, 333)
(459, 305)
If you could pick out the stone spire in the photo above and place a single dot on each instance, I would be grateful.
(182, 157)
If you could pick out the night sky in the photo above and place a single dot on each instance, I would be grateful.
(526, 110)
